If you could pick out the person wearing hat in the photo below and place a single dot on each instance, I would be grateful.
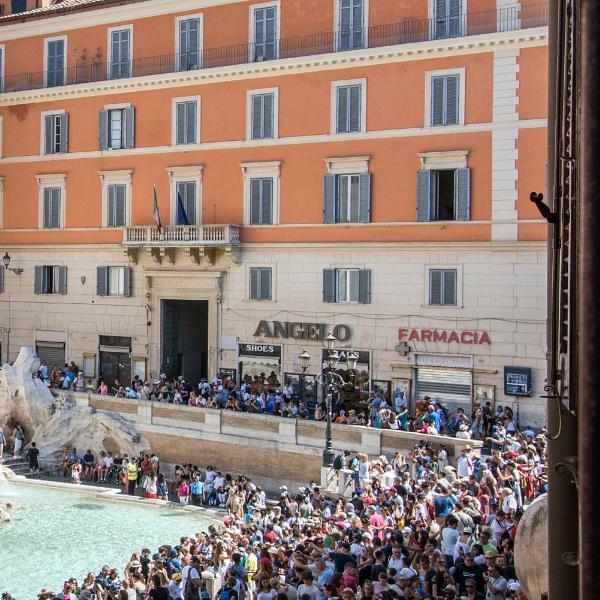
(174, 588)
(450, 592)
(45, 593)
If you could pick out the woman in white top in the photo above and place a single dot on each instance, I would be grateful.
(463, 544)
(364, 469)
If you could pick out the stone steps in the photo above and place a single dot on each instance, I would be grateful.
(20, 466)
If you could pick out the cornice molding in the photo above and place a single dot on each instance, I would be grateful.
(477, 44)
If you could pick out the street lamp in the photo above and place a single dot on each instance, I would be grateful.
(328, 378)
(304, 359)
(6, 263)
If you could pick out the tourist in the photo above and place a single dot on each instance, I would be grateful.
(2, 444)
(76, 472)
(132, 476)
(18, 440)
(32, 457)
(183, 492)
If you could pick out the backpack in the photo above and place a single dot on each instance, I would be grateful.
(225, 593)
(190, 591)
(338, 462)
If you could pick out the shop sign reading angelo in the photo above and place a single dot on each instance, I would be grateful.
(301, 331)
(448, 336)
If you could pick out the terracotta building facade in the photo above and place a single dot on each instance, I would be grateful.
(362, 166)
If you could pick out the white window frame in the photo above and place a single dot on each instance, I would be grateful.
(429, 75)
(363, 105)
(348, 287)
(262, 169)
(123, 177)
(459, 287)
(43, 115)
(198, 100)
(118, 106)
(273, 268)
(181, 174)
(108, 288)
(251, 11)
(337, 25)
(66, 54)
(200, 40)
(55, 180)
(2, 64)
(109, 48)
(249, 95)
(431, 12)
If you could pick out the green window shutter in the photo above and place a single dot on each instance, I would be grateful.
(329, 285)
(435, 287)
(120, 205)
(364, 286)
(111, 213)
(267, 115)
(441, 19)
(62, 280)
(343, 99)
(257, 117)
(438, 102)
(424, 194)
(449, 287)
(451, 100)
(345, 35)
(127, 281)
(49, 134)
(104, 128)
(191, 122)
(265, 283)
(180, 126)
(357, 24)
(254, 283)
(188, 197)
(364, 209)
(2, 270)
(266, 204)
(454, 18)
(355, 101)
(129, 126)
(255, 201)
(462, 194)
(38, 280)
(102, 281)
(64, 132)
(329, 199)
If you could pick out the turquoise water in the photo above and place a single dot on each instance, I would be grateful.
(60, 534)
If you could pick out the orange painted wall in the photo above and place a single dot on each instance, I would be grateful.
(532, 145)
(533, 83)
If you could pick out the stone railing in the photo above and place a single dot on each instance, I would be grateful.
(182, 235)
(263, 446)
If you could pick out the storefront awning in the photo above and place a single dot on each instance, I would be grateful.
(256, 360)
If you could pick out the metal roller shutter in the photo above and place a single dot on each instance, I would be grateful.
(451, 387)
(52, 352)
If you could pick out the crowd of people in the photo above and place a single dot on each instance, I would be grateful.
(431, 417)
(416, 527)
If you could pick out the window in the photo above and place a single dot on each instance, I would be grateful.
(186, 202)
(443, 195)
(261, 193)
(264, 33)
(349, 107)
(347, 198)
(50, 280)
(188, 38)
(113, 281)
(351, 28)
(1, 67)
(444, 108)
(448, 19)
(120, 53)
(117, 128)
(56, 133)
(116, 205)
(261, 279)
(442, 287)
(116, 198)
(261, 201)
(56, 62)
(18, 6)
(347, 285)
(52, 209)
(186, 121)
(262, 107)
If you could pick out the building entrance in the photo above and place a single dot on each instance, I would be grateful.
(184, 339)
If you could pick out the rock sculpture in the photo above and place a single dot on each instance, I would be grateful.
(56, 422)
(531, 548)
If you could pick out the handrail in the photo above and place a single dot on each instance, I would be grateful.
(512, 18)
(202, 235)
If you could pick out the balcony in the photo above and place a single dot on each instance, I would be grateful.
(408, 31)
(199, 242)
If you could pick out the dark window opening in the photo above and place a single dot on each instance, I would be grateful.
(445, 196)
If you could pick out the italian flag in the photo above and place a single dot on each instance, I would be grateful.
(156, 212)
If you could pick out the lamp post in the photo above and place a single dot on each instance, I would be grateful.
(304, 359)
(16, 271)
(328, 379)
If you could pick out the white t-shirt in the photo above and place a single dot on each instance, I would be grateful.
(462, 467)
(311, 590)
